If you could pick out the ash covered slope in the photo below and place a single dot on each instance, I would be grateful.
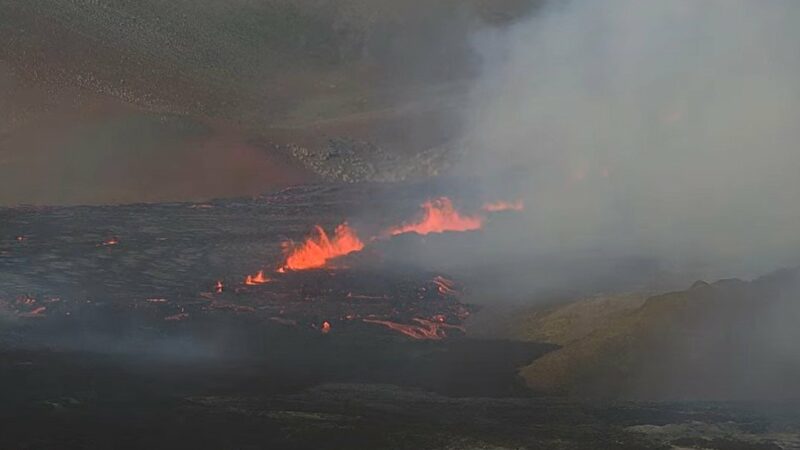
(214, 57)
(731, 339)
(334, 86)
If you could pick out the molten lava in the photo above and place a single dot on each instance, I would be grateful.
(109, 242)
(317, 250)
(37, 311)
(443, 285)
(439, 216)
(177, 317)
(424, 329)
(254, 280)
(504, 206)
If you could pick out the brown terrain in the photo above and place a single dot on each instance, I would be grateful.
(114, 101)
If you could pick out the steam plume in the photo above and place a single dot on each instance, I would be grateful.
(663, 128)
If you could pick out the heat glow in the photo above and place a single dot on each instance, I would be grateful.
(254, 280)
(109, 242)
(438, 216)
(326, 327)
(319, 248)
(443, 285)
(423, 329)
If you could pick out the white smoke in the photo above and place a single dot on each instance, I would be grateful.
(658, 127)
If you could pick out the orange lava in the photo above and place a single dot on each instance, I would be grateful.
(254, 280)
(424, 329)
(498, 206)
(36, 311)
(110, 241)
(443, 285)
(439, 216)
(318, 249)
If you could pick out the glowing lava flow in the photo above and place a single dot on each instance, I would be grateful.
(317, 250)
(325, 328)
(425, 329)
(504, 206)
(254, 280)
(443, 285)
(109, 242)
(439, 216)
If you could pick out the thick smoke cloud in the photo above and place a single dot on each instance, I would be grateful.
(656, 128)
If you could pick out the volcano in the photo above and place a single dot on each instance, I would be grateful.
(182, 310)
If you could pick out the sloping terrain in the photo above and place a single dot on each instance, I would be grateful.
(343, 90)
(245, 60)
(728, 340)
